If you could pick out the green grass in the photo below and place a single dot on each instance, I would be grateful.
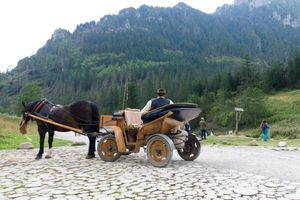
(227, 140)
(285, 116)
(224, 59)
(285, 107)
(243, 141)
(10, 137)
(284, 123)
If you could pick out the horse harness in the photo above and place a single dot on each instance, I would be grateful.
(41, 105)
(44, 103)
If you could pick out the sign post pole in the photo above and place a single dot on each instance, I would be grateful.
(238, 114)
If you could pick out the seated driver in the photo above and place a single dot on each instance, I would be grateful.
(157, 102)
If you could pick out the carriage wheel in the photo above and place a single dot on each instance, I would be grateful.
(160, 150)
(107, 148)
(191, 149)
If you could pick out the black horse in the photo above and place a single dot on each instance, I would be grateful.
(81, 115)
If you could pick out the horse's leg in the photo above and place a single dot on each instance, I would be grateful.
(50, 141)
(42, 132)
(92, 142)
(92, 147)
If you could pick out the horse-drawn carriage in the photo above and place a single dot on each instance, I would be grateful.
(160, 131)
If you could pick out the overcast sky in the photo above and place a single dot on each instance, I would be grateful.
(26, 25)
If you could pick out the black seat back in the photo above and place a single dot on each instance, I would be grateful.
(181, 112)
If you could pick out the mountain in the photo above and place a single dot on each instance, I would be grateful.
(286, 12)
(138, 50)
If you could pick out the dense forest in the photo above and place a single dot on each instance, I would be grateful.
(230, 58)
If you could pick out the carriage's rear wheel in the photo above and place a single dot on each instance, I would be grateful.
(107, 148)
(191, 149)
(160, 150)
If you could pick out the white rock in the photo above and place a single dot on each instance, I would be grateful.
(191, 193)
(295, 196)
(272, 185)
(78, 143)
(282, 144)
(137, 190)
(1, 196)
(25, 145)
(246, 191)
(253, 143)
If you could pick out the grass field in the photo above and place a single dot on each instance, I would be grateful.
(244, 141)
(284, 123)
(10, 137)
(285, 119)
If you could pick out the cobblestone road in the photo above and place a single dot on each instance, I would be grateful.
(273, 162)
(69, 176)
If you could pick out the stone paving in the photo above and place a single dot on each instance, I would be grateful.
(68, 175)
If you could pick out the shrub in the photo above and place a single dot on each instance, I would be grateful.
(286, 133)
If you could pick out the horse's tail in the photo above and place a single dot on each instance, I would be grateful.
(95, 118)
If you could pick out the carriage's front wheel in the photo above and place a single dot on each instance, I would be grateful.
(160, 150)
(107, 148)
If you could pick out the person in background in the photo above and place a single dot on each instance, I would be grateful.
(157, 102)
(202, 125)
(265, 129)
(187, 127)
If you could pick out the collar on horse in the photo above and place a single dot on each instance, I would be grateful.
(39, 106)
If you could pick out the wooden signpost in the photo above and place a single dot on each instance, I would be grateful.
(238, 114)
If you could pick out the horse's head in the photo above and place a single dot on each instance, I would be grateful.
(25, 118)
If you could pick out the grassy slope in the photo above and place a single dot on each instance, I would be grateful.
(284, 122)
(285, 118)
(10, 137)
(286, 109)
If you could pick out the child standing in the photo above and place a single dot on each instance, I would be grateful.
(265, 129)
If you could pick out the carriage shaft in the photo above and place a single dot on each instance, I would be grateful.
(57, 124)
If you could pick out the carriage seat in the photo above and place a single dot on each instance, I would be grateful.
(118, 115)
(181, 112)
(133, 117)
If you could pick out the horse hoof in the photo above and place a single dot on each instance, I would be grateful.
(49, 154)
(38, 157)
(90, 156)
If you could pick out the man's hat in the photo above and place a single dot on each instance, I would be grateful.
(161, 91)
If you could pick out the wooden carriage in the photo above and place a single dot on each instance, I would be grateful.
(161, 132)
